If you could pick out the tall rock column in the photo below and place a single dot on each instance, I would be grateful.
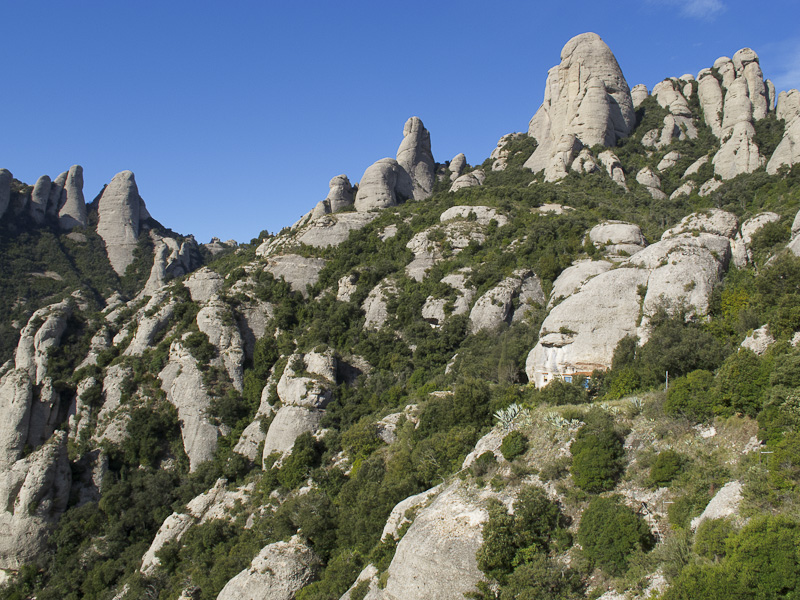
(72, 209)
(118, 220)
(415, 156)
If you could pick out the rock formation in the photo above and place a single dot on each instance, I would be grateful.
(72, 207)
(278, 572)
(384, 184)
(182, 381)
(496, 306)
(216, 320)
(118, 219)
(587, 102)
(457, 165)
(341, 194)
(415, 157)
(788, 151)
(304, 397)
(39, 198)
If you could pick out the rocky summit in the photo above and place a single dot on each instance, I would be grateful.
(567, 371)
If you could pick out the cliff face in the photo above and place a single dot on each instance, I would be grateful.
(351, 408)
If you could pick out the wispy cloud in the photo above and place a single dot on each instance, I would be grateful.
(695, 9)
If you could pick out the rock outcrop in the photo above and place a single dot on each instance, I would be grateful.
(305, 388)
(42, 333)
(384, 184)
(203, 284)
(216, 320)
(788, 151)
(587, 102)
(340, 194)
(679, 272)
(118, 216)
(72, 206)
(497, 305)
(34, 492)
(298, 271)
(617, 238)
(278, 572)
(39, 198)
(415, 157)
(375, 309)
(182, 381)
(171, 258)
(457, 165)
(332, 230)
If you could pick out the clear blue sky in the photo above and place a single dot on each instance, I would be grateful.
(234, 116)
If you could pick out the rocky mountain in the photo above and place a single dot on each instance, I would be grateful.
(568, 371)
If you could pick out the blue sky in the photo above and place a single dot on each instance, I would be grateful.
(235, 116)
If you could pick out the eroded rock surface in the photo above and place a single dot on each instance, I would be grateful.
(415, 157)
(118, 215)
(587, 102)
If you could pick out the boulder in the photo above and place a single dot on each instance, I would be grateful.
(384, 184)
(457, 165)
(341, 194)
(726, 70)
(669, 160)
(415, 157)
(585, 162)
(482, 214)
(332, 230)
(725, 503)
(312, 390)
(346, 288)
(651, 182)
(587, 101)
(289, 423)
(639, 94)
(759, 341)
(694, 167)
(118, 220)
(753, 224)
(718, 222)
(684, 189)
(182, 381)
(745, 61)
(278, 572)
(709, 187)
(617, 237)
(216, 320)
(72, 207)
(613, 167)
(468, 180)
(298, 271)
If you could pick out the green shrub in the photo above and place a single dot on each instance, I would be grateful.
(610, 531)
(666, 466)
(484, 463)
(514, 444)
(597, 458)
(692, 396)
(710, 538)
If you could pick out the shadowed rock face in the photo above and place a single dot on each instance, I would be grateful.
(586, 99)
(118, 220)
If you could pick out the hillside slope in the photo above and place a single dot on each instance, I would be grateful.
(568, 371)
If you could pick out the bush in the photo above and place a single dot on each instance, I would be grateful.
(609, 532)
(709, 541)
(665, 468)
(597, 458)
(692, 396)
(514, 444)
